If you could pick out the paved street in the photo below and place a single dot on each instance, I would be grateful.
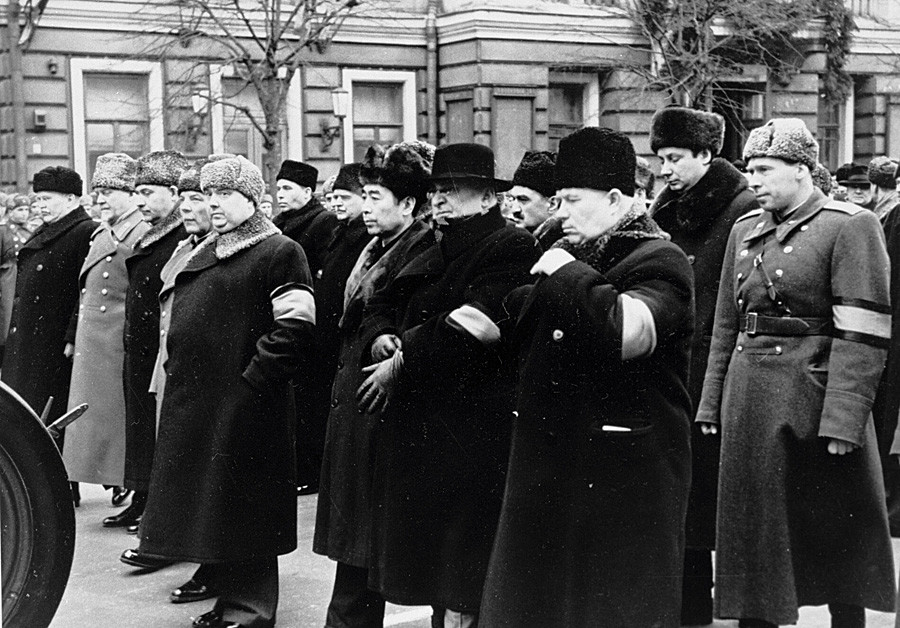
(104, 593)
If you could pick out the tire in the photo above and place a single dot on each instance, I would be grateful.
(37, 539)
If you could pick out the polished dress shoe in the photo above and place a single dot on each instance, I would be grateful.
(191, 591)
(128, 517)
(119, 495)
(133, 529)
(213, 619)
(142, 561)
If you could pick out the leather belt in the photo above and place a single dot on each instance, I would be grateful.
(755, 324)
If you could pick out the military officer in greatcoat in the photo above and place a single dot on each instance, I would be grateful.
(96, 447)
(17, 220)
(802, 328)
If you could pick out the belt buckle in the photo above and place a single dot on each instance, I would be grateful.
(751, 323)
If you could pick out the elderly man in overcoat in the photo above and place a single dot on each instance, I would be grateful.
(801, 333)
(157, 196)
(442, 455)
(600, 466)
(96, 447)
(395, 184)
(40, 345)
(703, 196)
(227, 417)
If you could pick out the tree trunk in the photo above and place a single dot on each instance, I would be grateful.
(272, 157)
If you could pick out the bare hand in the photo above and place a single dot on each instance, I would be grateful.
(384, 346)
(377, 390)
(69, 351)
(840, 447)
(708, 429)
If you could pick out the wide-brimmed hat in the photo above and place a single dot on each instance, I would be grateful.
(857, 176)
(466, 161)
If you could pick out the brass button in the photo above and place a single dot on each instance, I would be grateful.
(106, 275)
(804, 227)
(744, 253)
(334, 403)
(108, 258)
(39, 267)
(778, 350)
(83, 290)
(104, 292)
(691, 258)
(740, 347)
(163, 313)
(740, 275)
(740, 301)
(779, 272)
(102, 308)
(558, 335)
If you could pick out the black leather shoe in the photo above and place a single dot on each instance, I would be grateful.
(128, 517)
(308, 489)
(142, 561)
(134, 529)
(119, 495)
(191, 591)
(213, 619)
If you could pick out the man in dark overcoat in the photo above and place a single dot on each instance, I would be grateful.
(303, 219)
(395, 184)
(600, 466)
(157, 196)
(800, 338)
(532, 197)
(40, 345)
(703, 196)
(348, 240)
(223, 488)
(442, 456)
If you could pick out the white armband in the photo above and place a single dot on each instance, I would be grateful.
(638, 328)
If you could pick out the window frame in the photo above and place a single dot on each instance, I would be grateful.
(407, 81)
(78, 67)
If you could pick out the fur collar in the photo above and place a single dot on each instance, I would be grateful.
(161, 229)
(252, 231)
(602, 252)
(696, 208)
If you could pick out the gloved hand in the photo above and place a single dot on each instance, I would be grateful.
(376, 392)
(551, 261)
(384, 346)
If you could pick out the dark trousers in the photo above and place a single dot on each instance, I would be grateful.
(353, 605)
(248, 590)
(842, 616)
(696, 587)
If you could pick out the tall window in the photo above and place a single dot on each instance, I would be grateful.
(566, 111)
(377, 115)
(116, 115)
(829, 133)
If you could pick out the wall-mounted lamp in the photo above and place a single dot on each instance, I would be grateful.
(199, 100)
(52, 66)
(340, 106)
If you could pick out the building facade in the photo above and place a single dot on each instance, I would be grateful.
(513, 74)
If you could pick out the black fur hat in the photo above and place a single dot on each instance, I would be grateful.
(680, 127)
(58, 179)
(597, 158)
(535, 172)
(298, 172)
(348, 178)
(402, 168)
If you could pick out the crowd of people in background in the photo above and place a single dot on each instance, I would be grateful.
(537, 401)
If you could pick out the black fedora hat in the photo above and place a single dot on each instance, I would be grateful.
(857, 176)
(466, 161)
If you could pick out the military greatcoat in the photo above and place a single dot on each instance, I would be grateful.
(95, 450)
(801, 332)
(44, 311)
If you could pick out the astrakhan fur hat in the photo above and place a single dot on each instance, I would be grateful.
(692, 129)
(233, 173)
(787, 139)
(162, 167)
(401, 168)
(58, 179)
(115, 171)
(883, 172)
(535, 172)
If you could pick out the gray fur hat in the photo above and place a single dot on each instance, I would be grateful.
(233, 173)
(681, 127)
(162, 167)
(822, 178)
(883, 172)
(787, 139)
(116, 171)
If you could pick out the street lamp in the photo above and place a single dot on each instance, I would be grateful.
(340, 105)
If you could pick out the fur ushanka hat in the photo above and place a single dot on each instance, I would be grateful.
(233, 173)
(162, 167)
(822, 178)
(681, 127)
(597, 158)
(535, 172)
(787, 139)
(401, 168)
(883, 172)
(58, 179)
(115, 171)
